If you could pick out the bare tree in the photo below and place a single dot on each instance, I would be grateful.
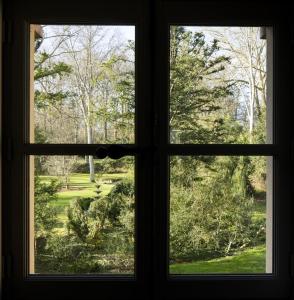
(87, 51)
(61, 166)
(96, 97)
(248, 67)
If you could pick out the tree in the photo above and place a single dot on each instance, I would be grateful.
(85, 87)
(211, 197)
(45, 215)
(87, 217)
(95, 220)
(96, 61)
(48, 72)
(123, 103)
(248, 69)
(196, 94)
(61, 166)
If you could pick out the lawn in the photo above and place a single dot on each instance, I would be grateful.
(248, 261)
(80, 186)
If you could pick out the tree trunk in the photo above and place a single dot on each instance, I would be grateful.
(91, 160)
(66, 182)
(105, 132)
(91, 166)
(64, 173)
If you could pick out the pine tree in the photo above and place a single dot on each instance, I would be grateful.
(196, 94)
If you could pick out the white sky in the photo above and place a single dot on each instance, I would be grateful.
(122, 32)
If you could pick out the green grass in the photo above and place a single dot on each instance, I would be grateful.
(80, 186)
(248, 261)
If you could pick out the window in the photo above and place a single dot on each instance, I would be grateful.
(83, 91)
(148, 151)
(220, 94)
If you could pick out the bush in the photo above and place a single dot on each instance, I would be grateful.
(45, 213)
(106, 165)
(100, 235)
(212, 216)
(67, 255)
(121, 198)
(85, 203)
(93, 220)
(84, 167)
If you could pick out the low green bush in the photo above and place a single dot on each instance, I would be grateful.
(67, 255)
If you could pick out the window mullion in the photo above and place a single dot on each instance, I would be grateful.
(81, 149)
(160, 35)
(222, 149)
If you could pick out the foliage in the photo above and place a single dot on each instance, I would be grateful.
(212, 198)
(123, 104)
(214, 216)
(69, 255)
(45, 69)
(98, 220)
(45, 214)
(194, 101)
(106, 165)
(121, 198)
(61, 166)
(99, 237)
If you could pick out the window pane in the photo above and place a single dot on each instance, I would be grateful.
(220, 214)
(80, 224)
(82, 84)
(220, 85)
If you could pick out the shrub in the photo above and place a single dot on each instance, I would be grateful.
(212, 216)
(106, 165)
(68, 255)
(45, 213)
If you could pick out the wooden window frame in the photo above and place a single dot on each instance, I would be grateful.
(152, 150)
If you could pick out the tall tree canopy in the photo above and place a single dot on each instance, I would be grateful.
(197, 93)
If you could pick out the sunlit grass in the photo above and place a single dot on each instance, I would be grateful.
(248, 261)
(80, 186)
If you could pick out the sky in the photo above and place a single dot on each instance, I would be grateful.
(122, 32)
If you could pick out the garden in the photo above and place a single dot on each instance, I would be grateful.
(84, 207)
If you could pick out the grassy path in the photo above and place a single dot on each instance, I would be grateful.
(248, 261)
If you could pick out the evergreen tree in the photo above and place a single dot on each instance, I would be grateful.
(196, 93)
(45, 215)
(47, 70)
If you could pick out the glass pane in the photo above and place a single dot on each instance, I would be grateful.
(220, 88)
(220, 214)
(81, 224)
(82, 84)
